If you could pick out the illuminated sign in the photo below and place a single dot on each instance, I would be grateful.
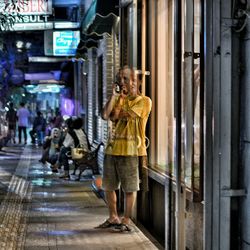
(31, 7)
(35, 15)
(30, 14)
(33, 26)
(65, 42)
(44, 88)
(43, 25)
(31, 19)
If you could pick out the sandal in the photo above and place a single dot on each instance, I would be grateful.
(65, 177)
(123, 228)
(107, 224)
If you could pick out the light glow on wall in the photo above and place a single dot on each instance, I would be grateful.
(67, 107)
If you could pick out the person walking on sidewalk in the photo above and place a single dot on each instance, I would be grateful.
(129, 111)
(39, 127)
(11, 117)
(23, 122)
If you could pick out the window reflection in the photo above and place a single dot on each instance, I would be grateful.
(191, 93)
(161, 42)
(197, 96)
(160, 28)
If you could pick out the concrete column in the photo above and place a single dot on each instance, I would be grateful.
(135, 29)
(245, 174)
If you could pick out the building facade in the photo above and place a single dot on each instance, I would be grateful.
(194, 59)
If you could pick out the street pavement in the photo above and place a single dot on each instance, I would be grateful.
(39, 211)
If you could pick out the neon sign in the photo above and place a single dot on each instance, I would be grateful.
(31, 19)
(65, 42)
(32, 7)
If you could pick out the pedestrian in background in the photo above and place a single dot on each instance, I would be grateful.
(51, 147)
(11, 117)
(39, 127)
(23, 122)
(58, 119)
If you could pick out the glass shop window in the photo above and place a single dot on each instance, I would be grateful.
(192, 97)
(160, 62)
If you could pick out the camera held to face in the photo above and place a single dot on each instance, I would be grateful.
(117, 88)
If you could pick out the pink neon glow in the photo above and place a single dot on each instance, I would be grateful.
(67, 106)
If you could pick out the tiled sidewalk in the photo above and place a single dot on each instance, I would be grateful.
(40, 211)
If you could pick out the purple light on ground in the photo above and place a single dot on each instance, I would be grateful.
(67, 106)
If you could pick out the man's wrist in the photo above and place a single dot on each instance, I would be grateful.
(113, 100)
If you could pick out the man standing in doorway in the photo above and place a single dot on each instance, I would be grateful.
(129, 111)
(23, 116)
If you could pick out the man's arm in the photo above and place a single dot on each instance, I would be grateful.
(109, 106)
(119, 112)
(107, 109)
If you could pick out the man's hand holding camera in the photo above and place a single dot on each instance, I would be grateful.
(119, 90)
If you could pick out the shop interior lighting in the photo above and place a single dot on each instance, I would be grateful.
(44, 88)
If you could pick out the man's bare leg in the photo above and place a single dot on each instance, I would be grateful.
(112, 200)
(129, 204)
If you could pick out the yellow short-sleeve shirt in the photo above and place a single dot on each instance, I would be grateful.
(129, 138)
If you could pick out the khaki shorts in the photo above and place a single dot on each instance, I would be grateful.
(120, 171)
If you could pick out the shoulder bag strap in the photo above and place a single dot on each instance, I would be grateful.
(89, 146)
(74, 136)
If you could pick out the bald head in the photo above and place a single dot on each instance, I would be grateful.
(126, 74)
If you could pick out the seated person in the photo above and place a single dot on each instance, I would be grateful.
(51, 147)
(75, 137)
